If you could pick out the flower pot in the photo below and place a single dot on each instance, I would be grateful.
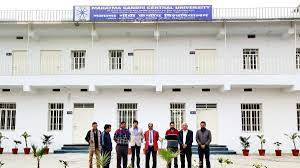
(26, 151)
(245, 152)
(1, 150)
(262, 152)
(295, 152)
(14, 151)
(278, 152)
(46, 151)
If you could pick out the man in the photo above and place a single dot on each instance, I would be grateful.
(93, 138)
(151, 146)
(136, 140)
(122, 137)
(172, 141)
(106, 143)
(185, 141)
(203, 138)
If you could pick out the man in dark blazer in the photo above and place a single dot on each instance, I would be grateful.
(185, 140)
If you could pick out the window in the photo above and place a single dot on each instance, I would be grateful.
(127, 112)
(298, 116)
(251, 117)
(177, 111)
(83, 105)
(115, 59)
(78, 59)
(250, 59)
(56, 112)
(8, 116)
(298, 58)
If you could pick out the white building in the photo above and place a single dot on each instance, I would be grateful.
(238, 72)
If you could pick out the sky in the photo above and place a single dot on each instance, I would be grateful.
(68, 4)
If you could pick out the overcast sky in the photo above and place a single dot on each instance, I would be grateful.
(67, 4)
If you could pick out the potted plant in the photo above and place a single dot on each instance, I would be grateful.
(2, 137)
(103, 160)
(1, 164)
(293, 137)
(15, 150)
(168, 155)
(246, 144)
(277, 151)
(25, 135)
(224, 162)
(259, 165)
(261, 151)
(38, 154)
(47, 140)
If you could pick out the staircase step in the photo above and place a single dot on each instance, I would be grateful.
(61, 151)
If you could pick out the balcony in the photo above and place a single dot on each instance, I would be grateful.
(266, 13)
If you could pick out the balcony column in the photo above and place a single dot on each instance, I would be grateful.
(156, 35)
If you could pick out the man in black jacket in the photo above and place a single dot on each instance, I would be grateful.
(106, 142)
(185, 140)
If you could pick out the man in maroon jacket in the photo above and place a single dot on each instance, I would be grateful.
(172, 139)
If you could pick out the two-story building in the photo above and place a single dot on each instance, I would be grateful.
(238, 72)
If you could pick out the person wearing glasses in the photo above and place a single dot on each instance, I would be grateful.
(151, 146)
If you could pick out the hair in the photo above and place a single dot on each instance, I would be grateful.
(94, 123)
(203, 122)
(150, 124)
(123, 122)
(135, 121)
(106, 126)
(172, 122)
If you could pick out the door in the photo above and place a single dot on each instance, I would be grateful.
(205, 61)
(20, 63)
(208, 113)
(143, 61)
(50, 62)
(82, 121)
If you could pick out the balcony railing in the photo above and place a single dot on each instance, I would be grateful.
(266, 13)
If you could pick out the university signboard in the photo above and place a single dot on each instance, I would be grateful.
(140, 13)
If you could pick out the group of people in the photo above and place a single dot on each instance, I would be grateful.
(133, 138)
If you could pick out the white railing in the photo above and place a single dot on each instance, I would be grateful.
(266, 13)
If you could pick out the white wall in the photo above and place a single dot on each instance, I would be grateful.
(279, 112)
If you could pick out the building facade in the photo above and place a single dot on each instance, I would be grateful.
(238, 73)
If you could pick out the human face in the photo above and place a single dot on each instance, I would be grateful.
(172, 126)
(94, 126)
(202, 125)
(184, 126)
(135, 125)
(108, 129)
(123, 125)
(150, 126)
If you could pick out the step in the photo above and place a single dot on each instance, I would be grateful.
(76, 144)
(70, 151)
(75, 148)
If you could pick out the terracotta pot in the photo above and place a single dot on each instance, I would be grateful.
(278, 152)
(245, 152)
(262, 152)
(46, 151)
(295, 152)
(1, 150)
(26, 151)
(14, 151)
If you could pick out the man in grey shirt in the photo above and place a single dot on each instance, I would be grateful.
(203, 138)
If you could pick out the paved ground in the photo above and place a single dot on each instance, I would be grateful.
(80, 161)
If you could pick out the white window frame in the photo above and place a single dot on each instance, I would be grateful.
(78, 58)
(298, 116)
(116, 59)
(251, 59)
(8, 116)
(55, 116)
(127, 112)
(252, 117)
(177, 114)
(297, 58)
